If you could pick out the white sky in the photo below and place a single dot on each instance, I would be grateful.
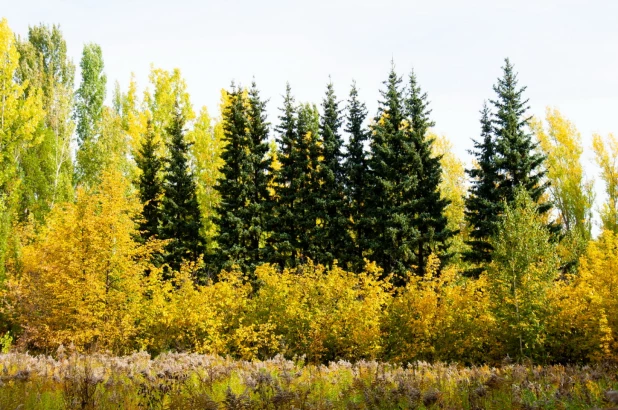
(566, 52)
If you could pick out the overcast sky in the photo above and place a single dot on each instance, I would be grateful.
(566, 52)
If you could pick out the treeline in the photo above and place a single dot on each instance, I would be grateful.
(145, 225)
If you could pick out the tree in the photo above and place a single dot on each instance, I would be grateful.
(606, 153)
(429, 205)
(207, 143)
(21, 114)
(90, 97)
(332, 237)
(453, 188)
(244, 184)
(524, 267)
(483, 202)
(517, 156)
(356, 169)
(181, 219)
(393, 163)
(81, 276)
(46, 168)
(149, 185)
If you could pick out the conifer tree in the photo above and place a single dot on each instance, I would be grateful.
(483, 202)
(333, 237)
(429, 218)
(394, 165)
(517, 158)
(180, 209)
(283, 242)
(244, 183)
(356, 176)
(149, 185)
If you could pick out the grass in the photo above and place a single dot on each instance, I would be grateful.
(190, 381)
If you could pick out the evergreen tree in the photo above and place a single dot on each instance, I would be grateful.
(149, 185)
(295, 211)
(333, 237)
(483, 203)
(180, 209)
(244, 183)
(429, 218)
(283, 242)
(517, 156)
(356, 176)
(508, 162)
(394, 165)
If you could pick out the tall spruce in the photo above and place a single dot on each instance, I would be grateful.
(394, 164)
(244, 184)
(508, 162)
(283, 242)
(333, 236)
(483, 203)
(149, 185)
(429, 218)
(356, 176)
(180, 210)
(518, 158)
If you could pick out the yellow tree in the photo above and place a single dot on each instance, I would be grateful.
(453, 187)
(571, 192)
(80, 278)
(606, 155)
(20, 116)
(206, 151)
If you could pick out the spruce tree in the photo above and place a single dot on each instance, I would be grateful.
(283, 241)
(394, 165)
(149, 185)
(429, 218)
(483, 203)
(180, 210)
(509, 161)
(517, 156)
(244, 183)
(332, 237)
(356, 176)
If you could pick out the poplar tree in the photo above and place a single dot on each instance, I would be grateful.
(89, 99)
(333, 237)
(180, 210)
(356, 176)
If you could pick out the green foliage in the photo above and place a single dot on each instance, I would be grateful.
(180, 212)
(523, 270)
(89, 99)
(149, 185)
(243, 186)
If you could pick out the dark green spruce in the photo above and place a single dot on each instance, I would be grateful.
(483, 202)
(149, 185)
(356, 171)
(394, 164)
(243, 210)
(180, 211)
(429, 218)
(333, 236)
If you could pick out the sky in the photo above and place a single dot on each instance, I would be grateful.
(566, 52)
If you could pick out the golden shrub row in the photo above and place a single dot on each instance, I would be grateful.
(81, 280)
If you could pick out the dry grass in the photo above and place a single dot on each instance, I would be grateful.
(191, 381)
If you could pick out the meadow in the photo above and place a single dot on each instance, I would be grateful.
(192, 381)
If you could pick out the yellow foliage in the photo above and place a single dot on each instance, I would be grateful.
(80, 278)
